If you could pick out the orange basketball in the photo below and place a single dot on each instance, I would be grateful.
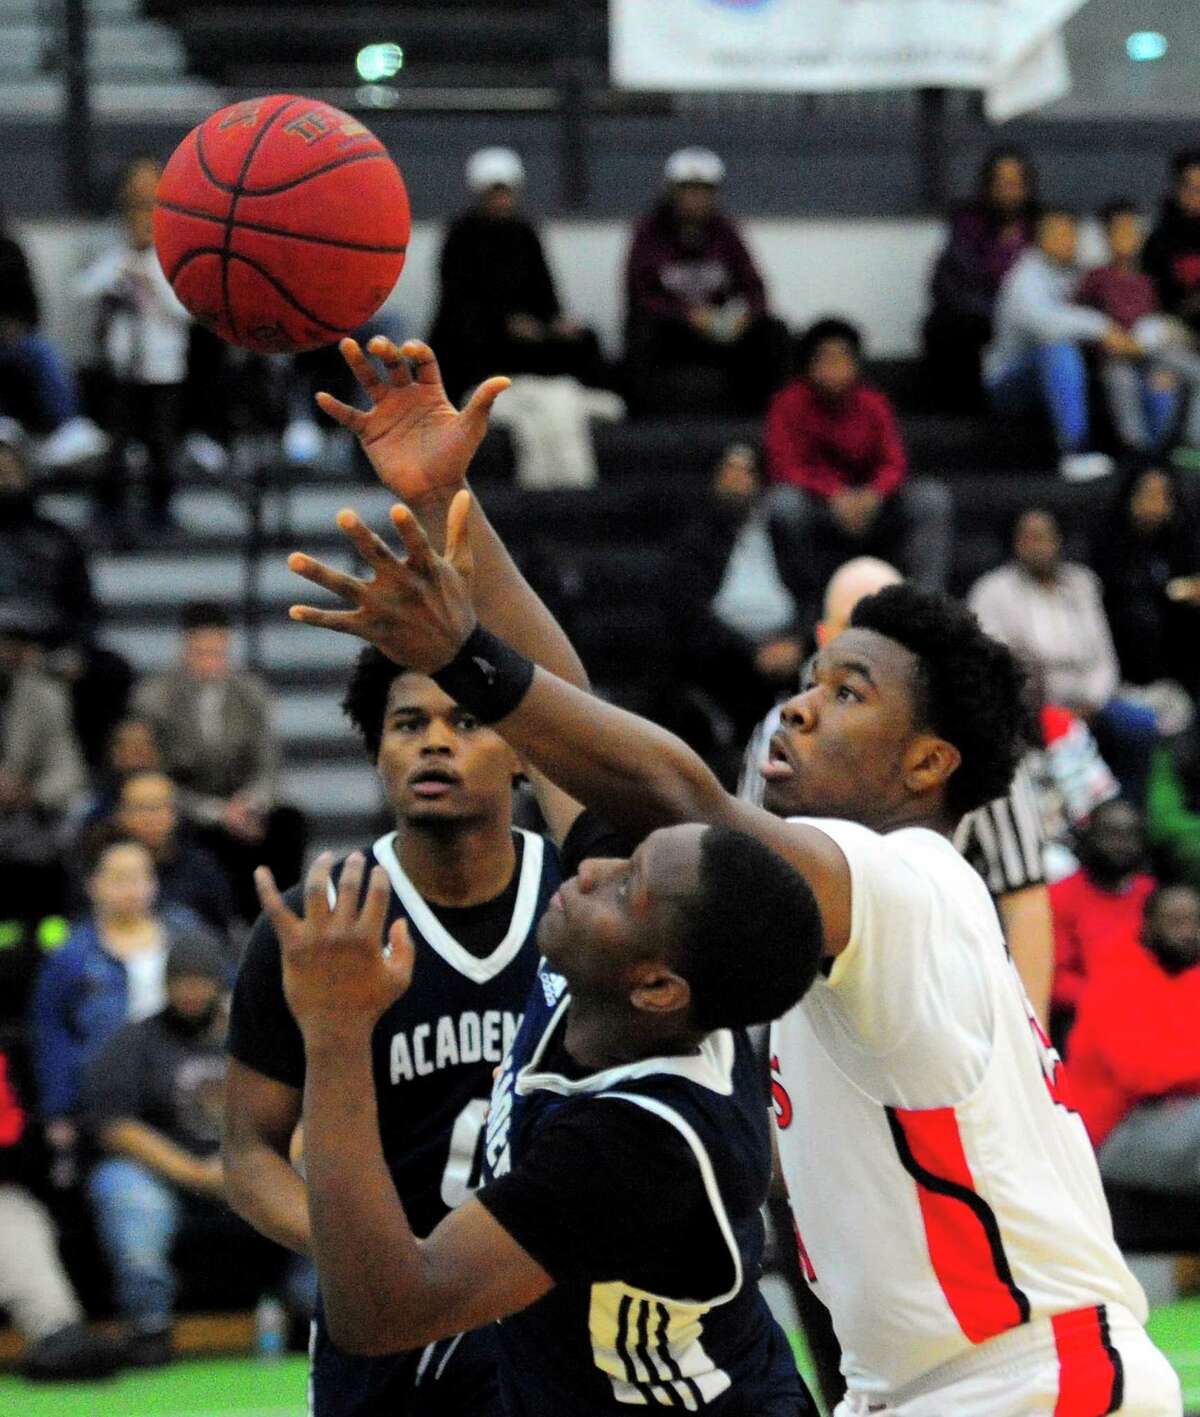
(281, 223)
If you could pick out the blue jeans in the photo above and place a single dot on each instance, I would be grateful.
(50, 382)
(137, 1218)
(1052, 377)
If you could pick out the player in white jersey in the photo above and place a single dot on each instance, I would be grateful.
(947, 1197)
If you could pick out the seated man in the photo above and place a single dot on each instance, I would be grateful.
(835, 442)
(153, 1100)
(1098, 910)
(213, 726)
(1036, 358)
(630, 1080)
(1135, 1054)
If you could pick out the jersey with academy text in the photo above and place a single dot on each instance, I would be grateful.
(943, 1187)
(599, 1344)
(434, 1054)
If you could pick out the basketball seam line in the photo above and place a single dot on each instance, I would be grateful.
(280, 231)
(308, 176)
(236, 197)
(262, 271)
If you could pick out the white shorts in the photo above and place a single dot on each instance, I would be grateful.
(1085, 1364)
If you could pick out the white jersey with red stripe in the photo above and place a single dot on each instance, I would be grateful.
(944, 1191)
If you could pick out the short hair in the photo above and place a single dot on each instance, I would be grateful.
(365, 703)
(98, 840)
(205, 615)
(1050, 210)
(820, 333)
(969, 691)
(1115, 207)
(751, 939)
(1161, 889)
(1183, 159)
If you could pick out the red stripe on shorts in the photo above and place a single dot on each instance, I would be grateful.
(1091, 1378)
(965, 1247)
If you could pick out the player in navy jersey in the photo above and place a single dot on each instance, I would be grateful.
(472, 891)
(628, 1151)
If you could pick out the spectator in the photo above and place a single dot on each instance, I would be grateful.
(1172, 254)
(1173, 808)
(143, 336)
(1144, 552)
(1143, 392)
(41, 774)
(1098, 910)
(1135, 1054)
(698, 337)
(188, 876)
(213, 728)
(499, 312)
(34, 1288)
(1050, 612)
(738, 583)
(45, 584)
(153, 1099)
(986, 236)
(835, 441)
(111, 969)
(36, 386)
(1036, 359)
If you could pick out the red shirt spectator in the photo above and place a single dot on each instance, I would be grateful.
(1098, 911)
(1135, 1038)
(829, 444)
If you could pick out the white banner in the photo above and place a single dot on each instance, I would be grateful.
(1012, 49)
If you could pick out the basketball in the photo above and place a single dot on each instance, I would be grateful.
(281, 223)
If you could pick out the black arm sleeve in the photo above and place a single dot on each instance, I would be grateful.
(263, 1035)
(608, 1191)
(591, 835)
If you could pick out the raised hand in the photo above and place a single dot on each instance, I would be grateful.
(416, 610)
(417, 441)
(337, 977)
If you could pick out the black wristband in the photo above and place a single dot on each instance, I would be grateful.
(487, 676)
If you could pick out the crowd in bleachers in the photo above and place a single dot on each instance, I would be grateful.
(132, 812)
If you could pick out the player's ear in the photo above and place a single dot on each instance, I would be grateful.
(656, 989)
(928, 762)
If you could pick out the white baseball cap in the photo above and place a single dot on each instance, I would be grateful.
(694, 165)
(494, 167)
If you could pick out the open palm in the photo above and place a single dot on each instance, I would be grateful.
(417, 441)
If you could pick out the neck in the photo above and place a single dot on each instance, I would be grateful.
(1122, 263)
(601, 1037)
(458, 863)
(1114, 882)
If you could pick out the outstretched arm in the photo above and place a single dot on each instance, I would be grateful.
(421, 446)
(637, 775)
(383, 1289)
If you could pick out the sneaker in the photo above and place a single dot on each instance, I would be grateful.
(76, 441)
(205, 453)
(148, 1350)
(1084, 467)
(303, 441)
(71, 1354)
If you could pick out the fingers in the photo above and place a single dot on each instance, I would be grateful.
(373, 549)
(348, 587)
(363, 370)
(274, 907)
(416, 543)
(344, 622)
(374, 910)
(423, 361)
(458, 536)
(401, 955)
(349, 890)
(318, 888)
(476, 412)
(349, 417)
(392, 360)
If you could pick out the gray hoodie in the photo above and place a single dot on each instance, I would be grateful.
(1035, 307)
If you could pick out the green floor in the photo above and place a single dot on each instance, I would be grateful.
(241, 1387)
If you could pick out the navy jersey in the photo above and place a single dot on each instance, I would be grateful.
(639, 1189)
(434, 1055)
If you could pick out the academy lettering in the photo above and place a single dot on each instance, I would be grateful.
(451, 1040)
